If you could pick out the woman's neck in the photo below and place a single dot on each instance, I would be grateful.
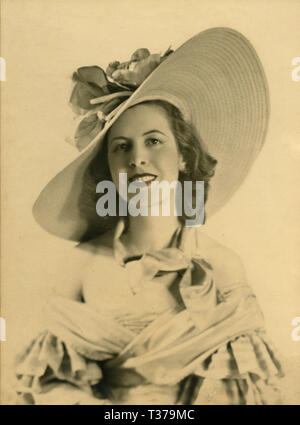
(149, 233)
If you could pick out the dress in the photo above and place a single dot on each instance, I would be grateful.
(170, 335)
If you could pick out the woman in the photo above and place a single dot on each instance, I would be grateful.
(158, 313)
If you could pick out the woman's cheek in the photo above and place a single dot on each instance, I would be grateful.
(114, 166)
(116, 175)
(169, 166)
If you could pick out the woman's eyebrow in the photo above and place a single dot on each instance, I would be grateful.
(119, 137)
(144, 134)
(153, 131)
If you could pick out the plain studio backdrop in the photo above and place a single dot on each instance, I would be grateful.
(43, 42)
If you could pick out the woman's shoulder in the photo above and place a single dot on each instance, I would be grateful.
(212, 246)
(101, 245)
(76, 260)
(225, 261)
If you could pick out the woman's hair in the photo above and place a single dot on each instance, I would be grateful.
(199, 165)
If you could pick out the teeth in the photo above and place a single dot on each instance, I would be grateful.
(144, 179)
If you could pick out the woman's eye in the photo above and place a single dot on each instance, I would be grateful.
(153, 141)
(121, 147)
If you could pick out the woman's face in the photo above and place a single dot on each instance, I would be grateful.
(141, 144)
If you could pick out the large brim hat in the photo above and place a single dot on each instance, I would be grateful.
(217, 82)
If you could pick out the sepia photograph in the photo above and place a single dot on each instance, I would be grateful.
(150, 209)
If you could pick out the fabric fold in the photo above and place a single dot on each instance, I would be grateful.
(216, 335)
(51, 359)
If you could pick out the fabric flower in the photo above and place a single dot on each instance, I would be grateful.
(96, 94)
(91, 83)
(135, 71)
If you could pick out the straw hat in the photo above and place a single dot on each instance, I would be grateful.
(217, 82)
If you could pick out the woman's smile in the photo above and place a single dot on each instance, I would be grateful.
(145, 178)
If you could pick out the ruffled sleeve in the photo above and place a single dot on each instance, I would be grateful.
(49, 360)
(69, 352)
(247, 367)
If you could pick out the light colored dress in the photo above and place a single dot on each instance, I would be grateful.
(168, 335)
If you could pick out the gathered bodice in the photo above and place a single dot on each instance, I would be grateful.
(132, 303)
(117, 286)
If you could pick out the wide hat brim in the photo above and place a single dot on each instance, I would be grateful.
(218, 83)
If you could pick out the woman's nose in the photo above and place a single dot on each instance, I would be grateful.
(137, 163)
(138, 158)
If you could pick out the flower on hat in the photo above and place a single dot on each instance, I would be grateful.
(135, 71)
(97, 94)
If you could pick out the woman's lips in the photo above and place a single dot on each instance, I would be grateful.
(145, 178)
